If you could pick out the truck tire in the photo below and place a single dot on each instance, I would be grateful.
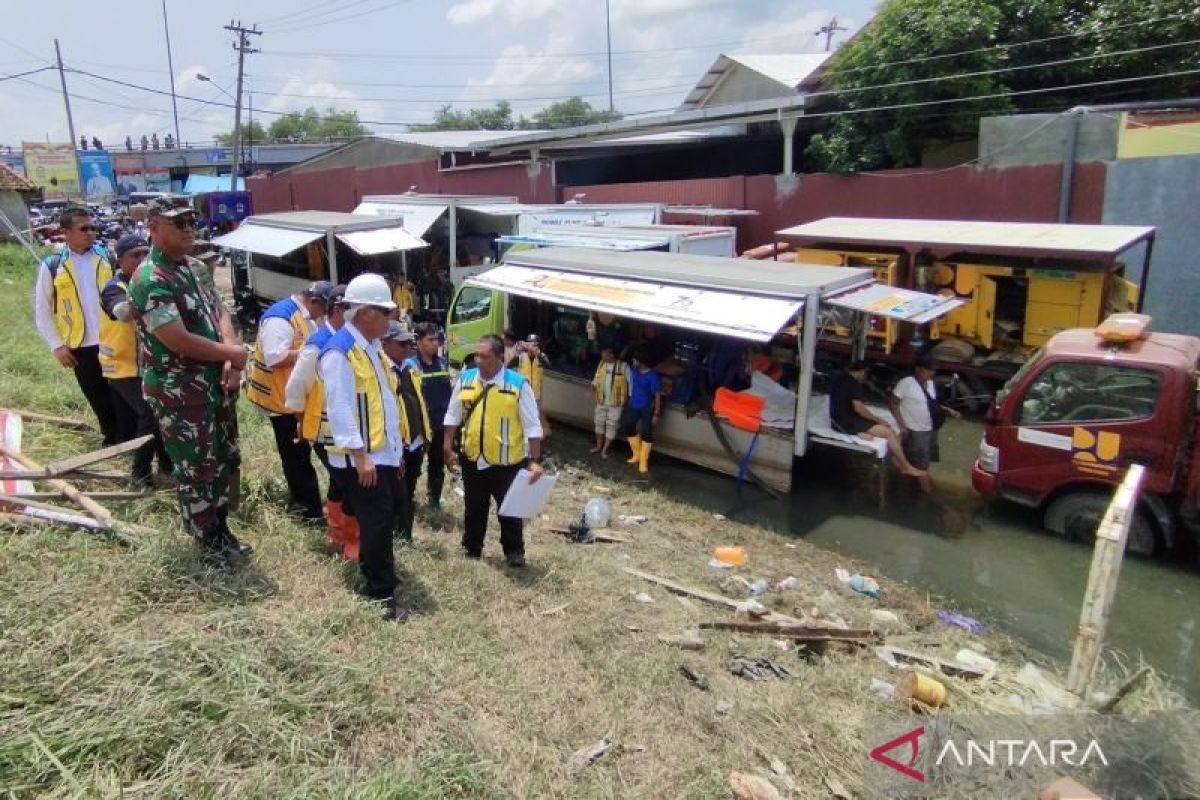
(1076, 515)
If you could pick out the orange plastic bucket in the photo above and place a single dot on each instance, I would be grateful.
(728, 554)
(928, 690)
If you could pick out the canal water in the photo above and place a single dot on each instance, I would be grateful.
(988, 560)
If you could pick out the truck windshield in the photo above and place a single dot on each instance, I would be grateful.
(1019, 375)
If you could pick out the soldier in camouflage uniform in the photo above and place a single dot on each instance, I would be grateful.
(192, 362)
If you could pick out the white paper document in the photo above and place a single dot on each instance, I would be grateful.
(524, 499)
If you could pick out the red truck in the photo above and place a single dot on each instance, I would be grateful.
(1087, 405)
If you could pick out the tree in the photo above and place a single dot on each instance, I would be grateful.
(311, 124)
(253, 131)
(568, 114)
(563, 114)
(903, 80)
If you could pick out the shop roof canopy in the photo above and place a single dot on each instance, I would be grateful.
(944, 238)
(281, 233)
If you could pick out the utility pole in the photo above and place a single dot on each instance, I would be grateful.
(243, 47)
(171, 68)
(828, 31)
(250, 134)
(62, 77)
(608, 39)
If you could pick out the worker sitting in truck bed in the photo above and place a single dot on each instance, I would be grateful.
(849, 413)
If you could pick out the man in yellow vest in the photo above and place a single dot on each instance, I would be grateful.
(415, 430)
(119, 362)
(364, 423)
(532, 363)
(496, 410)
(611, 388)
(66, 310)
(282, 331)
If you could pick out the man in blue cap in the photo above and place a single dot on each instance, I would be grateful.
(119, 362)
(282, 331)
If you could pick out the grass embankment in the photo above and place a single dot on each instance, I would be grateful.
(143, 672)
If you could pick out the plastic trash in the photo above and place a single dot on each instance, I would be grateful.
(597, 512)
(717, 564)
(862, 584)
(634, 519)
(969, 624)
(971, 658)
(882, 689)
(752, 609)
(642, 597)
(788, 583)
(758, 588)
(734, 556)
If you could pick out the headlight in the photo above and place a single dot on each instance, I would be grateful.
(989, 457)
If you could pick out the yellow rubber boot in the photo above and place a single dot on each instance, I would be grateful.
(644, 461)
(635, 443)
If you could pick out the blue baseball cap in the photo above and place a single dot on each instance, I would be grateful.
(130, 241)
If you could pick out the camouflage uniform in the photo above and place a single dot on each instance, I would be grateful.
(198, 419)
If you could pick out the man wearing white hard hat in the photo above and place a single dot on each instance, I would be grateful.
(364, 421)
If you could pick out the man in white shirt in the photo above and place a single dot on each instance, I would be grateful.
(502, 433)
(364, 422)
(282, 331)
(66, 310)
(916, 408)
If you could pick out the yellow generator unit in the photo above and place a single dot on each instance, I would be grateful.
(886, 269)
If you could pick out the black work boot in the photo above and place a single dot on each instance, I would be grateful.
(394, 612)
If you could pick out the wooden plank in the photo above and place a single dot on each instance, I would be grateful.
(62, 422)
(81, 474)
(93, 495)
(601, 534)
(1107, 555)
(708, 597)
(815, 633)
(55, 468)
(99, 512)
(935, 663)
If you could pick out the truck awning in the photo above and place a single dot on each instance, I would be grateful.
(901, 304)
(381, 240)
(566, 238)
(418, 217)
(267, 240)
(727, 313)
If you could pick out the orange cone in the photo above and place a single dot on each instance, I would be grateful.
(350, 539)
(337, 524)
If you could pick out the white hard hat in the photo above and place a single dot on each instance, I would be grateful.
(369, 289)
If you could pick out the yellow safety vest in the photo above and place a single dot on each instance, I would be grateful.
(265, 385)
(403, 298)
(614, 377)
(68, 308)
(531, 370)
(314, 422)
(407, 435)
(493, 428)
(118, 346)
(369, 412)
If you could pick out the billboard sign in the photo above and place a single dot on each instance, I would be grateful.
(131, 174)
(51, 166)
(158, 179)
(98, 181)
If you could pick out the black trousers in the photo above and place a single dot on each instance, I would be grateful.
(296, 457)
(95, 388)
(437, 467)
(335, 493)
(376, 509)
(480, 487)
(134, 419)
(412, 472)
(638, 422)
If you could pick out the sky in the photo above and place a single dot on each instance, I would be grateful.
(392, 61)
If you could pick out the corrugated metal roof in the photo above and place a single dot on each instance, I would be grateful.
(789, 70)
(770, 278)
(10, 181)
(452, 140)
(266, 240)
(950, 236)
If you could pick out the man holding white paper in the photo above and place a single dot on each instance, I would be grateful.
(501, 433)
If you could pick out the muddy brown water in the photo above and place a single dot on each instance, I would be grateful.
(992, 561)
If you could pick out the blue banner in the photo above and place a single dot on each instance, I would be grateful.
(98, 180)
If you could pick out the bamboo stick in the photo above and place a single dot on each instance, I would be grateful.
(62, 422)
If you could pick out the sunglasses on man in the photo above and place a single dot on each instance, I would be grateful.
(86, 228)
(184, 222)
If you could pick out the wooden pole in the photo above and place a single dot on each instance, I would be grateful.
(62, 422)
(1102, 581)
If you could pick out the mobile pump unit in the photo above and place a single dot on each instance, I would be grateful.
(701, 300)
(1092, 402)
(1020, 283)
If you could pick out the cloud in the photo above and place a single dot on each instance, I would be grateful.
(473, 11)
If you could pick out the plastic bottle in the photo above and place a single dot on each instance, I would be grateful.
(591, 328)
(596, 512)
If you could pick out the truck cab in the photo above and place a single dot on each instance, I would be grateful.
(1063, 430)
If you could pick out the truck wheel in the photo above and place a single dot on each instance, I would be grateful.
(1078, 514)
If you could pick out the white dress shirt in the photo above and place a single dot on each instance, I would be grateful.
(527, 409)
(89, 297)
(304, 375)
(340, 405)
(275, 335)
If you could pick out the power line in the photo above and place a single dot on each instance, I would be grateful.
(336, 18)
(23, 74)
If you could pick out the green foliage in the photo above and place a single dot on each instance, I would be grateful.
(563, 114)
(918, 58)
(253, 131)
(311, 124)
